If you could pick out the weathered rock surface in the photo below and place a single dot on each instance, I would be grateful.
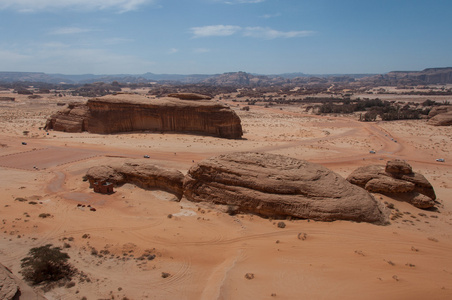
(71, 119)
(396, 180)
(11, 287)
(144, 175)
(444, 119)
(277, 186)
(440, 116)
(128, 113)
(439, 110)
(8, 286)
(189, 96)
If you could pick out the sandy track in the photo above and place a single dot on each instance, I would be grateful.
(45, 158)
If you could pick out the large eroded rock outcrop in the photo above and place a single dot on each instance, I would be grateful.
(129, 112)
(12, 288)
(396, 180)
(278, 186)
(441, 116)
(144, 175)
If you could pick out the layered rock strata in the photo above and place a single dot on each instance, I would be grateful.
(396, 180)
(129, 112)
(277, 186)
(144, 175)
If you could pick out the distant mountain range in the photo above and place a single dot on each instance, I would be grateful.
(427, 76)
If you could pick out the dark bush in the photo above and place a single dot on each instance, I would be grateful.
(46, 264)
(281, 225)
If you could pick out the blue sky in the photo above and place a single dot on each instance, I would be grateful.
(217, 36)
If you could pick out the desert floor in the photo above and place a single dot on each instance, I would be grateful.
(206, 251)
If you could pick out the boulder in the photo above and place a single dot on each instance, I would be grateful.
(436, 110)
(396, 180)
(397, 167)
(144, 175)
(444, 119)
(130, 112)
(12, 288)
(277, 186)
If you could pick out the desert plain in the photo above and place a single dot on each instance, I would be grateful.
(141, 244)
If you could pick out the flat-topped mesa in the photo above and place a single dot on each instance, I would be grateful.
(129, 113)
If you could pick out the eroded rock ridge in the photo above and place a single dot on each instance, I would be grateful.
(144, 175)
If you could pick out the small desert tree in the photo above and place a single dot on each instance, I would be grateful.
(46, 264)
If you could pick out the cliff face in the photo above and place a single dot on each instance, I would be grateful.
(128, 113)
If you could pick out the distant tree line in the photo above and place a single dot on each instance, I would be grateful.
(209, 90)
(373, 108)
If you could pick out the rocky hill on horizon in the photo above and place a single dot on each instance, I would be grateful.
(394, 78)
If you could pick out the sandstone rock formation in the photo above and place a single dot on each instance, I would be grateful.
(189, 96)
(129, 112)
(12, 288)
(71, 119)
(277, 186)
(8, 286)
(396, 180)
(441, 116)
(144, 175)
(439, 110)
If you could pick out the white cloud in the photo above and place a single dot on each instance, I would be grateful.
(9, 57)
(268, 16)
(240, 1)
(214, 30)
(69, 30)
(255, 32)
(201, 50)
(42, 5)
(98, 61)
(55, 45)
(173, 50)
(58, 58)
(116, 41)
(268, 33)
